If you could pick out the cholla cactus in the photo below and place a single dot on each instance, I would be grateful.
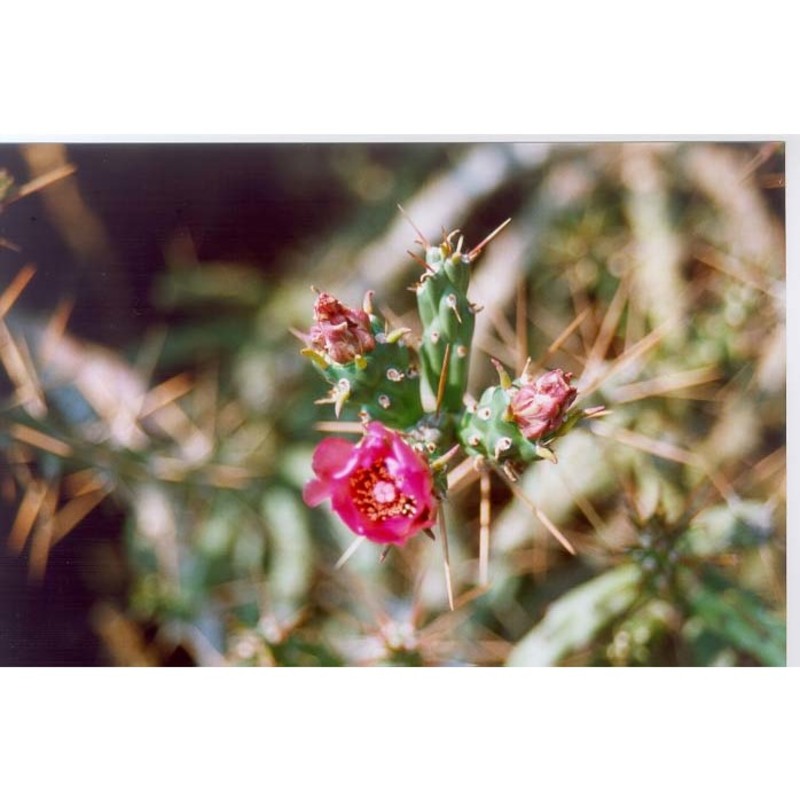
(389, 486)
(365, 363)
(516, 422)
(448, 320)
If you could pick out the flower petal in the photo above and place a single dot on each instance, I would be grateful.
(331, 457)
(349, 474)
(315, 491)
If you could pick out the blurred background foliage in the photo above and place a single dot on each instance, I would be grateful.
(158, 421)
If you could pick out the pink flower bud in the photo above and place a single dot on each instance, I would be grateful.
(341, 332)
(539, 407)
(381, 488)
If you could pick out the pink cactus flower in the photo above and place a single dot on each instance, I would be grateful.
(340, 332)
(539, 407)
(381, 488)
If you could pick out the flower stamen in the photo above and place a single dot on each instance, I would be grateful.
(377, 496)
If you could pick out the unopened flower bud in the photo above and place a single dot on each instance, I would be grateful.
(539, 407)
(342, 333)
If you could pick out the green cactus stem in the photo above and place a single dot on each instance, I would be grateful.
(448, 319)
(383, 383)
(490, 430)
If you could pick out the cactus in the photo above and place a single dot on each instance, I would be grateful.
(374, 369)
(201, 451)
(516, 422)
(448, 319)
(513, 424)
